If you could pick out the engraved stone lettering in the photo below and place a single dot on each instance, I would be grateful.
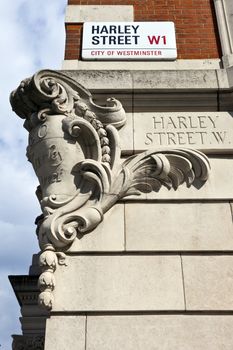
(203, 135)
(219, 136)
(160, 135)
(158, 121)
(171, 138)
(191, 136)
(213, 121)
(149, 139)
(54, 177)
(181, 138)
(191, 129)
(202, 122)
(193, 123)
(54, 156)
(182, 122)
(171, 123)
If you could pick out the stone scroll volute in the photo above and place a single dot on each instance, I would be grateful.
(74, 149)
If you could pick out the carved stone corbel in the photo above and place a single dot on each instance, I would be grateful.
(74, 149)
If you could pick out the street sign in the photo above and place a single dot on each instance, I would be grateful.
(129, 41)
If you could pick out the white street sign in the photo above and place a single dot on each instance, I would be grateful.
(129, 41)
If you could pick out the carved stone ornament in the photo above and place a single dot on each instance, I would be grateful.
(75, 152)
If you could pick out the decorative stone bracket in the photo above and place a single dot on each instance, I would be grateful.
(75, 152)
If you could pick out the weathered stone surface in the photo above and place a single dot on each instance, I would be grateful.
(166, 98)
(180, 332)
(206, 131)
(119, 283)
(126, 136)
(191, 79)
(208, 282)
(172, 65)
(222, 78)
(102, 80)
(230, 75)
(178, 226)
(74, 147)
(223, 9)
(229, 13)
(219, 185)
(108, 236)
(151, 80)
(101, 13)
(65, 332)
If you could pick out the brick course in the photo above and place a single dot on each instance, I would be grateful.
(196, 28)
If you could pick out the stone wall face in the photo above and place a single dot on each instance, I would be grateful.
(195, 23)
(157, 270)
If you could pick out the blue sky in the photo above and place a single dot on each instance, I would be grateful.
(32, 38)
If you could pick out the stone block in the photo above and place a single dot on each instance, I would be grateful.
(211, 132)
(218, 186)
(102, 80)
(101, 13)
(108, 236)
(141, 80)
(208, 282)
(157, 227)
(65, 332)
(126, 136)
(185, 79)
(119, 283)
(230, 76)
(222, 78)
(137, 65)
(159, 332)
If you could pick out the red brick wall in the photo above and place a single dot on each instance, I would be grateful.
(196, 29)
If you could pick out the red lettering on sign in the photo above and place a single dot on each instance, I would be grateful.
(164, 40)
(156, 39)
(153, 39)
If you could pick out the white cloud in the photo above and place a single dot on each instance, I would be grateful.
(32, 38)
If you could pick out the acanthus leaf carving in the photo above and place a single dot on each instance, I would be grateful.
(75, 151)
